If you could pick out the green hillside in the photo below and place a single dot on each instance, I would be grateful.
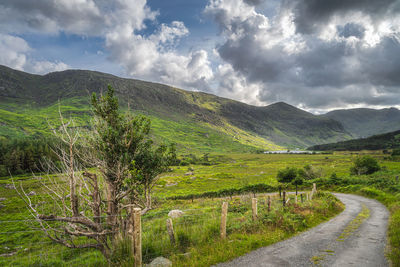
(196, 121)
(364, 122)
(382, 141)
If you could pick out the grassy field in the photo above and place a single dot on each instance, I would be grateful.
(197, 231)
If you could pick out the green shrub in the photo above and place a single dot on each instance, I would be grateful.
(287, 175)
(365, 165)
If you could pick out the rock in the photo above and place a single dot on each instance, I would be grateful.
(2, 206)
(9, 186)
(3, 198)
(175, 213)
(189, 173)
(32, 193)
(11, 254)
(168, 185)
(160, 262)
(193, 177)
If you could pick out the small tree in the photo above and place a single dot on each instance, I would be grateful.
(124, 165)
(365, 165)
(310, 172)
(297, 181)
(287, 175)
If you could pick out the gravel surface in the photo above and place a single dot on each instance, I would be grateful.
(331, 243)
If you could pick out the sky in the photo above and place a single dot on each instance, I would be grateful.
(316, 55)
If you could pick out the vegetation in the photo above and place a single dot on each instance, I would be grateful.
(364, 122)
(199, 121)
(377, 142)
(228, 176)
(25, 155)
(365, 165)
(88, 212)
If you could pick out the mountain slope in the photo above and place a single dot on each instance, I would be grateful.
(363, 122)
(382, 141)
(196, 121)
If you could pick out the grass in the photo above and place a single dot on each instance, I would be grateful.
(197, 233)
(354, 224)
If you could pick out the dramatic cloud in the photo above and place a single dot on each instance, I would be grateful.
(152, 57)
(51, 16)
(347, 56)
(310, 15)
(314, 54)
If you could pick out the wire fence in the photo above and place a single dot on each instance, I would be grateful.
(23, 243)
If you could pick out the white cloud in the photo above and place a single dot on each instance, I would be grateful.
(154, 57)
(13, 51)
(15, 54)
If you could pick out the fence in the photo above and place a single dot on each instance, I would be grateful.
(154, 234)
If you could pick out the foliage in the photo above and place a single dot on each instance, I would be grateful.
(24, 155)
(376, 142)
(287, 175)
(310, 172)
(365, 165)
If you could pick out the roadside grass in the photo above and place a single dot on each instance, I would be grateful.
(197, 233)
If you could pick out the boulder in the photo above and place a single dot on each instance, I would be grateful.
(9, 186)
(175, 213)
(160, 262)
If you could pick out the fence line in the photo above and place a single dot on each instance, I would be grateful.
(251, 204)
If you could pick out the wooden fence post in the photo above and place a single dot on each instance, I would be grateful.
(280, 191)
(170, 230)
(269, 204)
(224, 214)
(295, 199)
(136, 231)
(254, 207)
(284, 199)
(301, 196)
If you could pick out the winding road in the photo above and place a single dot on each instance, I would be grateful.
(356, 237)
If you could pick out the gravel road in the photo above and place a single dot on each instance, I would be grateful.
(353, 238)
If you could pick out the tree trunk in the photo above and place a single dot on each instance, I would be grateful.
(112, 208)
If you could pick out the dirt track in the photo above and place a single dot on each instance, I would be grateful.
(356, 237)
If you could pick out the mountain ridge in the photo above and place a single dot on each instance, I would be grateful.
(275, 126)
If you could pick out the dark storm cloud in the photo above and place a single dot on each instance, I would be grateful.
(310, 15)
(325, 73)
(253, 2)
(351, 29)
(50, 16)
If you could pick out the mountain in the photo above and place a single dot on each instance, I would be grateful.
(29, 105)
(363, 122)
(382, 141)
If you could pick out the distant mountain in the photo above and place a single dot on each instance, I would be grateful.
(363, 122)
(196, 121)
(376, 142)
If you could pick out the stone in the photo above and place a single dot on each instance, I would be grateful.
(168, 185)
(9, 186)
(189, 173)
(32, 193)
(160, 262)
(3, 198)
(175, 213)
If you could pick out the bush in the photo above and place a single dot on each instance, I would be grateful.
(396, 152)
(365, 165)
(309, 172)
(287, 175)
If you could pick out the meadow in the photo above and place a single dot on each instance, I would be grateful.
(197, 232)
